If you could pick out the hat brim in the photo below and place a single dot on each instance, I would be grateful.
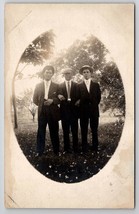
(49, 67)
(82, 69)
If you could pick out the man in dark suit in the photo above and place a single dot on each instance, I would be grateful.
(68, 95)
(45, 97)
(90, 96)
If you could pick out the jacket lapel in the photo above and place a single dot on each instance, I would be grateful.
(91, 87)
(42, 90)
(65, 90)
(51, 90)
(72, 91)
(85, 88)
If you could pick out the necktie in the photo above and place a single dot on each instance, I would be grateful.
(68, 90)
(87, 85)
(46, 90)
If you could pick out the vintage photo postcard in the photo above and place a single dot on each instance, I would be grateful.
(69, 106)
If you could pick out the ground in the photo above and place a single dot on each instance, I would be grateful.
(69, 168)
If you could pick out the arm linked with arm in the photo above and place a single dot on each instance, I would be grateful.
(77, 103)
(56, 100)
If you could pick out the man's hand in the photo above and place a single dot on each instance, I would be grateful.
(61, 97)
(77, 103)
(48, 102)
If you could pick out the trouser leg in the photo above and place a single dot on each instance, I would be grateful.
(74, 130)
(84, 132)
(94, 129)
(66, 129)
(41, 136)
(54, 129)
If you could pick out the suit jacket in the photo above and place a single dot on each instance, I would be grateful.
(38, 99)
(64, 105)
(89, 101)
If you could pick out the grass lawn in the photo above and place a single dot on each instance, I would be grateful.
(69, 168)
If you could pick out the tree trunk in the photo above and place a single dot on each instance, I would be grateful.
(13, 96)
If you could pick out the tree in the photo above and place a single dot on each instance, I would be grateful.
(32, 108)
(112, 88)
(36, 53)
(25, 102)
(92, 52)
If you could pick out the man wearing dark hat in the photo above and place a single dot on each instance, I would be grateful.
(90, 96)
(46, 98)
(68, 95)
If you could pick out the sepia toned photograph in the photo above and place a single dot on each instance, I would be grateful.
(68, 111)
(84, 124)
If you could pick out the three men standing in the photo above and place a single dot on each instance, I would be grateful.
(76, 100)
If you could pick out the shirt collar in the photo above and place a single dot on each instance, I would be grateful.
(68, 81)
(48, 82)
(87, 81)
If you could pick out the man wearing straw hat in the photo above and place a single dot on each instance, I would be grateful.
(90, 96)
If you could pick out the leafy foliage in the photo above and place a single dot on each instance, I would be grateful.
(24, 101)
(36, 53)
(92, 52)
(39, 50)
(112, 88)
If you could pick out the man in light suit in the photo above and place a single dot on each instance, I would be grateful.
(90, 96)
(46, 98)
(68, 95)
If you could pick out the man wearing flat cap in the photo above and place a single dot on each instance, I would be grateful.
(46, 98)
(90, 96)
(68, 95)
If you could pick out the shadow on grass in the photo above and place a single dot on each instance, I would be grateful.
(70, 168)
